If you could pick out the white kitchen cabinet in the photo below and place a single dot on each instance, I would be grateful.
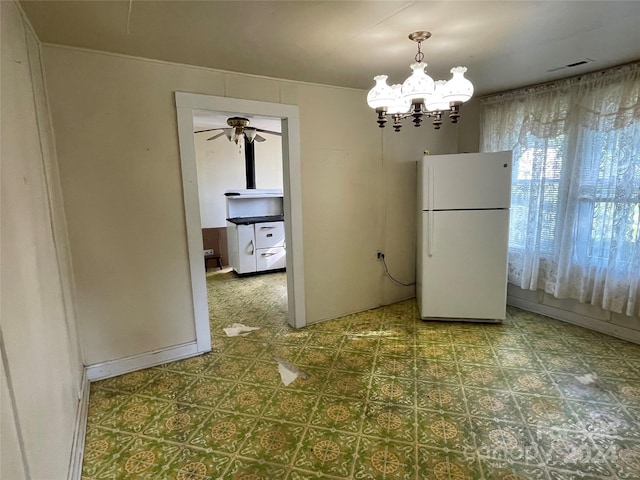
(270, 259)
(241, 247)
(255, 230)
(269, 234)
(256, 247)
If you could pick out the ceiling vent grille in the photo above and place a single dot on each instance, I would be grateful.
(577, 63)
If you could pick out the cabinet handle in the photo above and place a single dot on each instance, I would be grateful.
(252, 247)
(266, 228)
(268, 254)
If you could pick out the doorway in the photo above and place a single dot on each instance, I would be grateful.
(186, 104)
(240, 175)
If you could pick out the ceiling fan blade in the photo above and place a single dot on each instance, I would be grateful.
(207, 130)
(215, 136)
(259, 138)
(268, 131)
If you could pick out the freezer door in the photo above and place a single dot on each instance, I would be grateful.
(465, 181)
(464, 264)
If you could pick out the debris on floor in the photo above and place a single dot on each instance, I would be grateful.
(587, 379)
(288, 371)
(238, 329)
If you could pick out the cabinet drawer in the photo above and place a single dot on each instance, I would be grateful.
(270, 258)
(269, 234)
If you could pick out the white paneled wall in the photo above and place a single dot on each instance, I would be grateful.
(115, 123)
(41, 365)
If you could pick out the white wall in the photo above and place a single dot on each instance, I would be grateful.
(115, 124)
(221, 166)
(469, 127)
(401, 151)
(41, 366)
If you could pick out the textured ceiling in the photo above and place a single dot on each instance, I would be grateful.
(505, 44)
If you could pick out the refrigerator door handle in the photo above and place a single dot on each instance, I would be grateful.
(430, 175)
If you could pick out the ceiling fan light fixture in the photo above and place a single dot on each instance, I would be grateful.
(237, 134)
(420, 96)
(250, 134)
(239, 130)
(237, 122)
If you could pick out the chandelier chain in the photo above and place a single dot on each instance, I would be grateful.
(419, 55)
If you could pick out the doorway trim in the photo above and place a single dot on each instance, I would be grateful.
(289, 115)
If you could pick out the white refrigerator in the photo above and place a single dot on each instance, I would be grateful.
(463, 232)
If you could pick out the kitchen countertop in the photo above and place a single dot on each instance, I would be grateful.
(252, 220)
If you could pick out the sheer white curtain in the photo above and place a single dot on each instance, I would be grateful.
(575, 216)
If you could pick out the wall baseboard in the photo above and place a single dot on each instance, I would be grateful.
(104, 370)
(100, 371)
(591, 323)
(77, 449)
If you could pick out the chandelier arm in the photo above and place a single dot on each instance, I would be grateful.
(437, 120)
(455, 112)
(397, 122)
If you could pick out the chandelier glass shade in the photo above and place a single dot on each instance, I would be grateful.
(437, 102)
(420, 96)
(419, 86)
(399, 104)
(382, 95)
(458, 89)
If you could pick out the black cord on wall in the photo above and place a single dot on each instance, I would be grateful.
(386, 271)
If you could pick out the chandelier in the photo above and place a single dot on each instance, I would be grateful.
(419, 96)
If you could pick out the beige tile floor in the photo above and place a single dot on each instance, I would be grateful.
(387, 397)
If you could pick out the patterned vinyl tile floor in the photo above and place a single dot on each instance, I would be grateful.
(385, 396)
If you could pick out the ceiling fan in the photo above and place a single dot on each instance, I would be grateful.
(239, 126)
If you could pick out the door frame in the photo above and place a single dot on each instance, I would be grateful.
(292, 186)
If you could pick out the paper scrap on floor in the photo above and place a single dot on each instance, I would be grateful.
(288, 371)
(587, 379)
(238, 329)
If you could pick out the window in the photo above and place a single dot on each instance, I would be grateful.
(536, 183)
(609, 198)
(575, 204)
